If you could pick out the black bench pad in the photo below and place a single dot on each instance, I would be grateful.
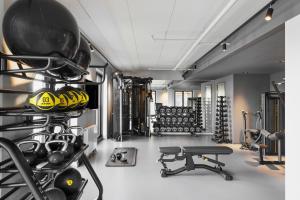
(205, 150)
(170, 150)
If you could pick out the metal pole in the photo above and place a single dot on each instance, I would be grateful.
(121, 114)
(93, 174)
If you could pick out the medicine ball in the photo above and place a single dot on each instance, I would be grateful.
(43, 100)
(69, 96)
(40, 28)
(84, 98)
(68, 181)
(82, 58)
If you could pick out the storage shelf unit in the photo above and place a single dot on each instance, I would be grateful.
(16, 163)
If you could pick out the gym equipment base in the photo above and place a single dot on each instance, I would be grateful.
(187, 154)
(130, 156)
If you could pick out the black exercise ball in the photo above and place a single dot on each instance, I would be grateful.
(40, 28)
(82, 58)
(83, 54)
(55, 194)
(68, 181)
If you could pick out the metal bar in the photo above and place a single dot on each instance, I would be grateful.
(13, 185)
(28, 127)
(23, 167)
(4, 162)
(12, 191)
(7, 178)
(28, 70)
(9, 91)
(93, 174)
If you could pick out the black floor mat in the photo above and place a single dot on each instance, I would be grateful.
(130, 156)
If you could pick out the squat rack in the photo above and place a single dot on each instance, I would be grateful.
(16, 163)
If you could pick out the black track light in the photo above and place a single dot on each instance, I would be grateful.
(269, 14)
(91, 47)
(224, 46)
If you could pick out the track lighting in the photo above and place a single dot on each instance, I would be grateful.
(224, 46)
(269, 14)
(91, 47)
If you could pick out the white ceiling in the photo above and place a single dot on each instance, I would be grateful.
(156, 34)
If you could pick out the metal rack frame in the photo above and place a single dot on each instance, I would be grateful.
(16, 163)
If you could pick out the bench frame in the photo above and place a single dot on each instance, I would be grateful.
(190, 164)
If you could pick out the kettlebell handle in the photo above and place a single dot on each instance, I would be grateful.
(44, 133)
(62, 129)
(38, 144)
(69, 129)
(67, 134)
(64, 148)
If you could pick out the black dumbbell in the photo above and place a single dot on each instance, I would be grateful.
(162, 110)
(173, 110)
(162, 129)
(185, 119)
(180, 129)
(168, 119)
(168, 110)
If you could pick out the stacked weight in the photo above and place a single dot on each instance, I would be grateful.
(177, 119)
(221, 134)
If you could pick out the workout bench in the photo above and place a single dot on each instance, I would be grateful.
(187, 153)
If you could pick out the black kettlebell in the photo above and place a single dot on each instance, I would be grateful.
(79, 137)
(70, 138)
(55, 194)
(30, 155)
(58, 156)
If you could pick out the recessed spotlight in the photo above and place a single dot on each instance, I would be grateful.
(269, 14)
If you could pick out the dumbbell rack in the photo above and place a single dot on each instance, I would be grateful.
(207, 114)
(177, 120)
(16, 163)
(221, 134)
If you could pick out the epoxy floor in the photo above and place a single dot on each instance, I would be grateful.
(143, 182)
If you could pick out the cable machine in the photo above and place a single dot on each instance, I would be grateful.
(132, 97)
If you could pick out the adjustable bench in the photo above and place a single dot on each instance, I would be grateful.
(186, 153)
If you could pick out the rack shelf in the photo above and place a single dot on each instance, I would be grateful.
(48, 168)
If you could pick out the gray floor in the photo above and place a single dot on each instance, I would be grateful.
(143, 182)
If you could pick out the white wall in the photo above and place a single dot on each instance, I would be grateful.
(292, 43)
(247, 96)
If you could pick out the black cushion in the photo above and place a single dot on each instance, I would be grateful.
(170, 150)
(201, 150)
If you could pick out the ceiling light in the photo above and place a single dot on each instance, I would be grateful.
(224, 47)
(269, 14)
(91, 48)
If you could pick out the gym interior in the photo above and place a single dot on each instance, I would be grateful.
(140, 99)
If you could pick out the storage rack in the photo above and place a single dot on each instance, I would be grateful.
(207, 114)
(177, 120)
(16, 163)
(221, 134)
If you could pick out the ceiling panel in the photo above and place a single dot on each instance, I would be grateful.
(143, 34)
